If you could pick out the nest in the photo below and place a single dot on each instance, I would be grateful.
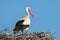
(28, 36)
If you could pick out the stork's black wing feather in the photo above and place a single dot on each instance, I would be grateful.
(19, 22)
(18, 26)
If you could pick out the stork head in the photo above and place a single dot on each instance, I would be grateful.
(28, 11)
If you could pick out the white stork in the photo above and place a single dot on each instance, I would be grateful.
(23, 23)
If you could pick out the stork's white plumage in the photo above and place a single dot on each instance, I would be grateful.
(24, 22)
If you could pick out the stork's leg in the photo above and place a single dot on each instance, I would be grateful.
(27, 30)
(22, 31)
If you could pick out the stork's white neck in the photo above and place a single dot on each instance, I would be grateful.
(25, 17)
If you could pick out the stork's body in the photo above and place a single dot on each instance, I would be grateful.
(23, 23)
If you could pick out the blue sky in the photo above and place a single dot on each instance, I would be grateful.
(46, 14)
